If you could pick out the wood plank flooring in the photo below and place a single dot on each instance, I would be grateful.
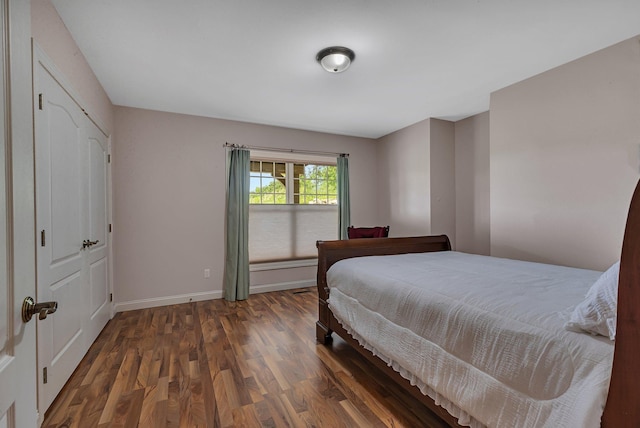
(254, 363)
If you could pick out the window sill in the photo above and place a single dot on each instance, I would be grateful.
(288, 264)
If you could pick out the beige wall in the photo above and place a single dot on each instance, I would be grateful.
(472, 184)
(50, 33)
(443, 192)
(565, 158)
(169, 200)
(416, 179)
(404, 181)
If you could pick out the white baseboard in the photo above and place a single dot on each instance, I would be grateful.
(208, 295)
(168, 300)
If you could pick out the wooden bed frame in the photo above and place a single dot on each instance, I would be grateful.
(623, 401)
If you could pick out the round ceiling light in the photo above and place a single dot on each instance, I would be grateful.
(335, 59)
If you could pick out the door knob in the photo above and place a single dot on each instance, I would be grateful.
(30, 308)
(87, 243)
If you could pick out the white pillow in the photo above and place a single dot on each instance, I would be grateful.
(596, 314)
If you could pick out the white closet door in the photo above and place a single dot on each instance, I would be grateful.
(97, 221)
(60, 145)
(73, 247)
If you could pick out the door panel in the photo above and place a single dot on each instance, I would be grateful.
(60, 336)
(58, 156)
(63, 130)
(65, 325)
(97, 191)
(61, 143)
(98, 281)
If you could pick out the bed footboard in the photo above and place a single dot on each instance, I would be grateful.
(622, 408)
(329, 252)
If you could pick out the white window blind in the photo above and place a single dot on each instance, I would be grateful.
(287, 232)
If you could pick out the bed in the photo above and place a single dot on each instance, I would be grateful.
(578, 378)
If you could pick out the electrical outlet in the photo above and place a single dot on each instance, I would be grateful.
(207, 273)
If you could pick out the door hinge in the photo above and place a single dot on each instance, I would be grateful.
(42, 238)
(108, 158)
(111, 297)
(40, 101)
(109, 227)
(44, 375)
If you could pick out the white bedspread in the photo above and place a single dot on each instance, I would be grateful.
(482, 336)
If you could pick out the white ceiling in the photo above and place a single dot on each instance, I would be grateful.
(254, 60)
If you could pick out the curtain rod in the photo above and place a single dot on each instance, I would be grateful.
(275, 149)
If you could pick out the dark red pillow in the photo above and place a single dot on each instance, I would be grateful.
(367, 232)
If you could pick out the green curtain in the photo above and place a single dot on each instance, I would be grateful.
(344, 206)
(236, 275)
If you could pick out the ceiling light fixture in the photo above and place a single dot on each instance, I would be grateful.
(335, 59)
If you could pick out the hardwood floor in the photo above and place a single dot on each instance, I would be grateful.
(254, 363)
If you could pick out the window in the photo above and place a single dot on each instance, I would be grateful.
(293, 203)
(292, 183)
(268, 182)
